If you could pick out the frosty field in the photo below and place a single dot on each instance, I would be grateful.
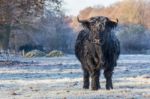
(61, 78)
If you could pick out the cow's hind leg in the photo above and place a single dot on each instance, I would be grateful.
(108, 75)
(86, 79)
(95, 80)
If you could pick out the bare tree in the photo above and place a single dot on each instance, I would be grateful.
(16, 14)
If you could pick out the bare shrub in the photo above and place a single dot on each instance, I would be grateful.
(134, 38)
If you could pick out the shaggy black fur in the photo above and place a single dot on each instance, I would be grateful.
(97, 48)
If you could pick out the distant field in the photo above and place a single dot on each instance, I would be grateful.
(61, 78)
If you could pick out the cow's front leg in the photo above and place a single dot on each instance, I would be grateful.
(95, 85)
(108, 75)
(86, 79)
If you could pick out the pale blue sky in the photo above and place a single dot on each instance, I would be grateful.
(73, 7)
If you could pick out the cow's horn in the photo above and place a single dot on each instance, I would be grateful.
(81, 21)
(115, 20)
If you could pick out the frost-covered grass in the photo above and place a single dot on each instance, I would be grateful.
(61, 77)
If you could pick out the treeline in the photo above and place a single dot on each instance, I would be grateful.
(34, 23)
(134, 23)
(127, 11)
(42, 24)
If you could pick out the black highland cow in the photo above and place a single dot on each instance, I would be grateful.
(97, 48)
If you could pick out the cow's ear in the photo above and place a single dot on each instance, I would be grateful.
(86, 24)
(112, 24)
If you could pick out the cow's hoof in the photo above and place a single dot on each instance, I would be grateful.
(109, 88)
(85, 87)
(95, 88)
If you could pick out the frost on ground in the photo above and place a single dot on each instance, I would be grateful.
(61, 78)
